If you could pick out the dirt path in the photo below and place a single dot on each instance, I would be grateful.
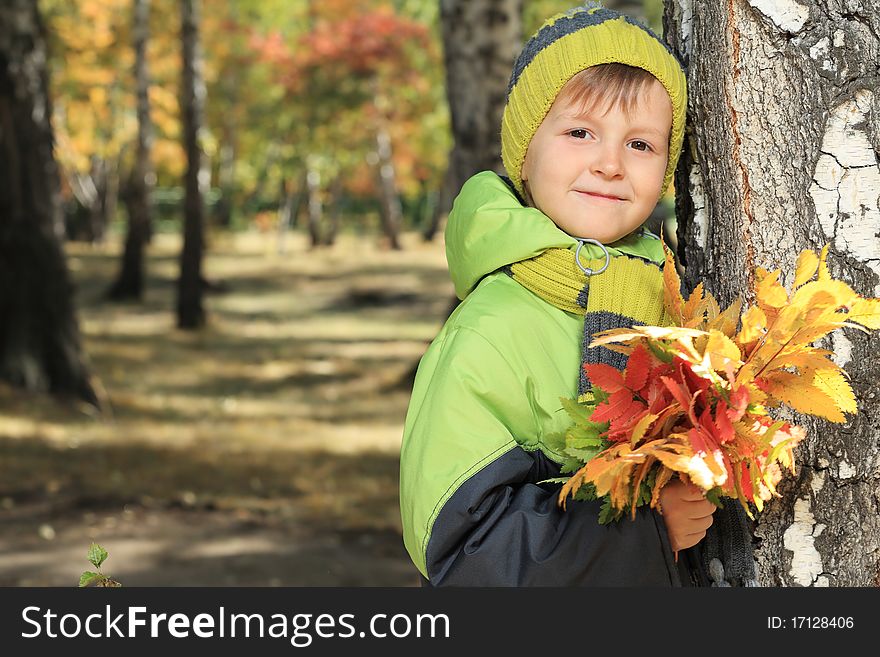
(260, 451)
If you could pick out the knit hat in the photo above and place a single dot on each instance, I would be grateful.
(567, 44)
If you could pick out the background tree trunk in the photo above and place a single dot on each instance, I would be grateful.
(481, 39)
(782, 155)
(389, 199)
(39, 336)
(190, 311)
(315, 206)
(130, 283)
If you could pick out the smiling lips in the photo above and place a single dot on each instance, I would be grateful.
(597, 195)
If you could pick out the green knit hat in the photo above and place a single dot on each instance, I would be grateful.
(567, 44)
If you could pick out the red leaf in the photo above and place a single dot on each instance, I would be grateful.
(697, 442)
(693, 380)
(636, 372)
(746, 483)
(722, 421)
(604, 376)
(739, 400)
(613, 407)
(621, 427)
(680, 392)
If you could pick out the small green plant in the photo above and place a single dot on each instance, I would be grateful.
(97, 555)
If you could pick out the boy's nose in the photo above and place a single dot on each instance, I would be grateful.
(607, 162)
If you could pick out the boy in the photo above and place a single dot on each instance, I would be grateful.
(591, 135)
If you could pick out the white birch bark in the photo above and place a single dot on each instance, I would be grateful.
(781, 154)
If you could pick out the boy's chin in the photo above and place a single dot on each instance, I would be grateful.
(604, 238)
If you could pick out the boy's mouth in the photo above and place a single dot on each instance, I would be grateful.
(598, 195)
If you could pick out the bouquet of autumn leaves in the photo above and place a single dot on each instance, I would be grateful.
(693, 399)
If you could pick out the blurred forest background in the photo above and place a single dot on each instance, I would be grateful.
(211, 377)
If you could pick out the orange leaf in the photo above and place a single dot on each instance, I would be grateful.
(662, 478)
(672, 299)
(693, 310)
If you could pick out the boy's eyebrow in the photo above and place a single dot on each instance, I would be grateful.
(579, 116)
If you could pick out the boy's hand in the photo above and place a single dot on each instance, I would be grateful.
(687, 513)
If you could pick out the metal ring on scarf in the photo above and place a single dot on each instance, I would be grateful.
(577, 256)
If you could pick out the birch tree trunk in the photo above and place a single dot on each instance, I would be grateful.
(130, 283)
(190, 311)
(781, 154)
(481, 39)
(39, 335)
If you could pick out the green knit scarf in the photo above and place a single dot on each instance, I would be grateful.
(627, 293)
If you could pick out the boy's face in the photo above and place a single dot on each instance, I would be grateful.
(573, 160)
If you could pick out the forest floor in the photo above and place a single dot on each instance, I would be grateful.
(259, 451)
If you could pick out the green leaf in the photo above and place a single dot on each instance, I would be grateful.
(555, 442)
(97, 555)
(570, 465)
(579, 435)
(578, 412)
(586, 493)
(600, 395)
(607, 513)
(714, 496)
(582, 455)
(554, 480)
(88, 577)
(661, 351)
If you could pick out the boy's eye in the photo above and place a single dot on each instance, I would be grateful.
(579, 133)
(641, 146)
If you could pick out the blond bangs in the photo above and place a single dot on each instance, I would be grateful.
(606, 85)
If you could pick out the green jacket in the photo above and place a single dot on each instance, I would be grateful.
(485, 402)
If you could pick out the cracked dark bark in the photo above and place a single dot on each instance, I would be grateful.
(758, 107)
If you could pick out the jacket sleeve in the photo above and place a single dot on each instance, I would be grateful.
(473, 513)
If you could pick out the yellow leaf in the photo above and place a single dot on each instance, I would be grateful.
(824, 274)
(804, 358)
(641, 427)
(865, 312)
(807, 264)
(727, 321)
(809, 334)
(801, 394)
(833, 383)
(754, 324)
(722, 350)
(829, 294)
(769, 290)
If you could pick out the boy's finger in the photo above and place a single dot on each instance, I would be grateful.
(695, 511)
(693, 494)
